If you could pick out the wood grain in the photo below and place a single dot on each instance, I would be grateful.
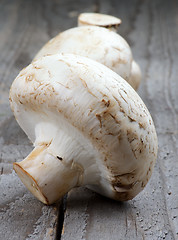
(150, 27)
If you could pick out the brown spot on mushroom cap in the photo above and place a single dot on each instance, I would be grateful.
(131, 119)
(98, 116)
(142, 125)
(83, 82)
(106, 103)
(29, 77)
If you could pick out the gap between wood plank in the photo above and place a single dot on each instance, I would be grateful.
(61, 216)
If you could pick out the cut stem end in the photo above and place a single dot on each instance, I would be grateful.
(45, 176)
(30, 183)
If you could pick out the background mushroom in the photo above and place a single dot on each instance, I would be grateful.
(100, 20)
(88, 127)
(97, 42)
(111, 23)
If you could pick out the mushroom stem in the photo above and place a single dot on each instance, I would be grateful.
(45, 175)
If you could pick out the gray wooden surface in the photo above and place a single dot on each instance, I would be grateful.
(151, 29)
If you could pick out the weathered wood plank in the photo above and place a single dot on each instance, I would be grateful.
(149, 27)
(21, 215)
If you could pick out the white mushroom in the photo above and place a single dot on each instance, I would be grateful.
(88, 127)
(97, 43)
(100, 20)
(112, 23)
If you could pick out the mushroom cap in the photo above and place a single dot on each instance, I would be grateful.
(99, 44)
(92, 118)
(98, 19)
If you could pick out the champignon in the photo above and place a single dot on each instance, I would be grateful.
(100, 20)
(88, 126)
(97, 43)
(111, 23)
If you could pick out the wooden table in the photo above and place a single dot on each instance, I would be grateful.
(151, 29)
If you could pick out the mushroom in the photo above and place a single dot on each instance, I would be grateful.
(97, 43)
(112, 23)
(88, 126)
(100, 20)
